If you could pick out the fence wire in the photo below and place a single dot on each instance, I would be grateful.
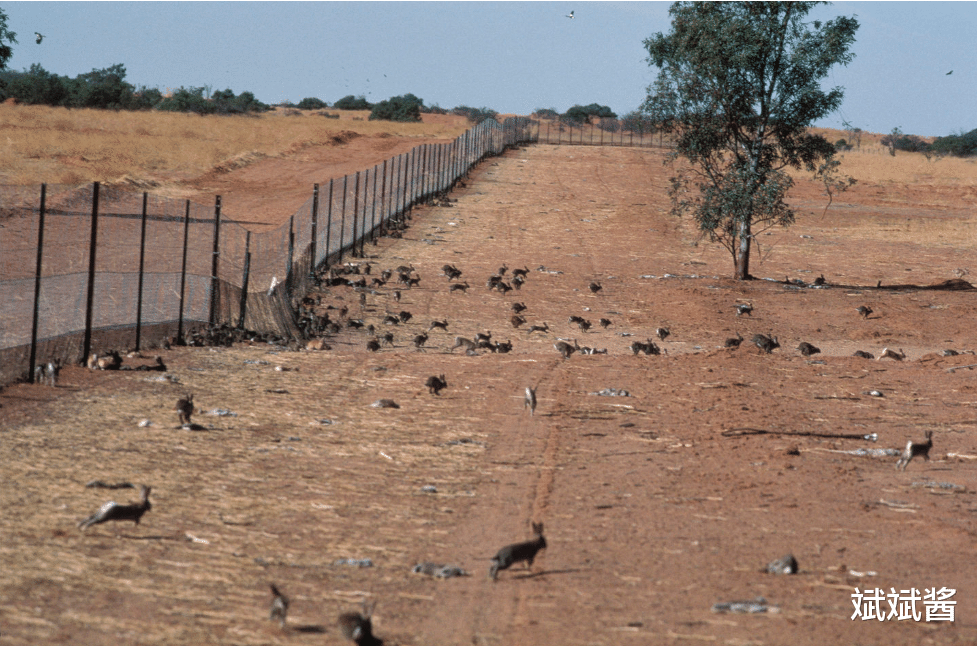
(160, 266)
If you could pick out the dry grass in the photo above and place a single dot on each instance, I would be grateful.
(57, 145)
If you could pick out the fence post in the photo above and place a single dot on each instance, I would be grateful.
(315, 226)
(373, 211)
(383, 196)
(407, 189)
(183, 273)
(289, 278)
(342, 222)
(356, 208)
(214, 265)
(37, 285)
(142, 268)
(245, 278)
(90, 301)
(329, 225)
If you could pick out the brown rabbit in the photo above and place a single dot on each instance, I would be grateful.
(518, 552)
(913, 449)
(114, 511)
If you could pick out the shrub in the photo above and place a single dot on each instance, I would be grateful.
(961, 145)
(842, 145)
(581, 113)
(311, 103)
(406, 108)
(546, 113)
(475, 115)
(351, 102)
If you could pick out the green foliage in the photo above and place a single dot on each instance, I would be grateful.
(896, 140)
(841, 145)
(475, 115)
(104, 88)
(961, 145)
(581, 113)
(311, 103)
(221, 102)
(739, 84)
(434, 109)
(406, 108)
(546, 113)
(7, 38)
(187, 100)
(351, 102)
(37, 86)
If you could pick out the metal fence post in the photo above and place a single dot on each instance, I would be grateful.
(183, 273)
(90, 301)
(356, 208)
(342, 222)
(329, 225)
(289, 278)
(373, 211)
(245, 279)
(315, 225)
(214, 265)
(37, 285)
(142, 268)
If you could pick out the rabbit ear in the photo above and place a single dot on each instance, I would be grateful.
(538, 528)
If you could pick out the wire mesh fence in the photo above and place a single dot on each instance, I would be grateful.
(94, 268)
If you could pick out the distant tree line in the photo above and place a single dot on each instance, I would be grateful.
(107, 89)
(959, 145)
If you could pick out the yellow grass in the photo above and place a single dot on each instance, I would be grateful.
(61, 146)
(872, 163)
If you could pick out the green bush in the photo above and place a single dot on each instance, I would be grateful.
(546, 113)
(353, 103)
(474, 115)
(406, 108)
(962, 145)
(581, 113)
(311, 103)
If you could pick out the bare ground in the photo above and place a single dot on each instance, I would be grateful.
(656, 505)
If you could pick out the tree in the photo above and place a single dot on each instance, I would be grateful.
(7, 38)
(739, 84)
(398, 108)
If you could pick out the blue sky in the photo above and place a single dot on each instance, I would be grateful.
(513, 57)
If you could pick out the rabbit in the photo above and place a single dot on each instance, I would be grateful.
(279, 605)
(807, 349)
(864, 311)
(765, 343)
(184, 408)
(734, 342)
(744, 308)
(114, 511)
(565, 349)
(913, 449)
(518, 552)
(436, 384)
(462, 342)
(359, 627)
(530, 401)
(662, 333)
(443, 325)
(545, 327)
(595, 286)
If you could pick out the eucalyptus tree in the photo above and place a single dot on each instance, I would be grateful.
(739, 85)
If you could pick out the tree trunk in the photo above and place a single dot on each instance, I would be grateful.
(743, 251)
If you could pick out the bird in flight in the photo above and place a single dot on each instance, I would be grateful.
(949, 73)
(570, 16)
(38, 37)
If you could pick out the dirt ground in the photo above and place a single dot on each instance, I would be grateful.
(656, 505)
